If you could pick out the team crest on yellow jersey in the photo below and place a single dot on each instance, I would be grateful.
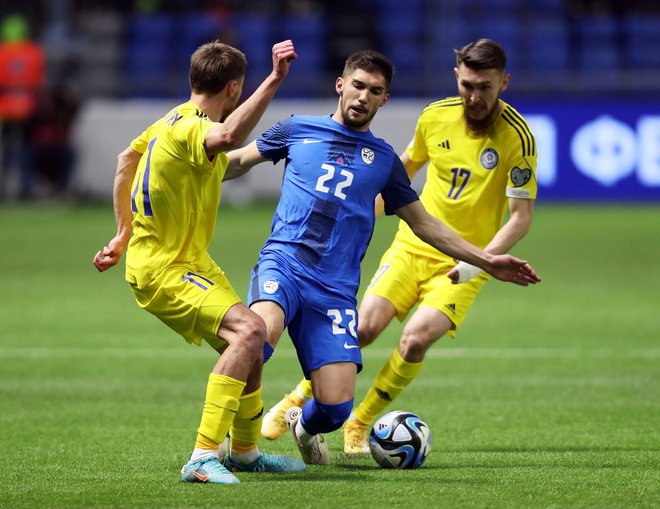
(489, 158)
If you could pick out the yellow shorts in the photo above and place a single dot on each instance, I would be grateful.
(192, 303)
(405, 279)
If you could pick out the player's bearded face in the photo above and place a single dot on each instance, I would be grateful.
(480, 90)
(360, 95)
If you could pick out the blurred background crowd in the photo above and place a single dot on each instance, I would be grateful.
(57, 54)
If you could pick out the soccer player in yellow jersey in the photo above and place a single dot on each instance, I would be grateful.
(167, 190)
(481, 159)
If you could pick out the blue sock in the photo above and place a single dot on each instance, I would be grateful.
(268, 351)
(321, 418)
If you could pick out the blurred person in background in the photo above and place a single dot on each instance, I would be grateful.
(49, 153)
(481, 159)
(166, 196)
(22, 75)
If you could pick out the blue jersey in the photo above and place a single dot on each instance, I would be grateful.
(325, 216)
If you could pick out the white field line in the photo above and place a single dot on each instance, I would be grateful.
(185, 351)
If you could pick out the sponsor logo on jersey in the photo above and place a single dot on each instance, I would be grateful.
(368, 155)
(444, 144)
(489, 158)
(271, 287)
(451, 307)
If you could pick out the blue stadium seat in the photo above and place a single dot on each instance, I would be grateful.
(400, 28)
(599, 48)
(545, 7)
(255, 37)
(443, 36)
(493, 8)
(409, 7)
(598, 27)
(407, 55)
(152, 26)
(546, 45)
(309, 33)
(642, 33)
(146, 54)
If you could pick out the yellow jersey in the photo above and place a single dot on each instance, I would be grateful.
(175, 195)
(470, 176)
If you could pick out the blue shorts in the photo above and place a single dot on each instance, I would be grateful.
(322, 324)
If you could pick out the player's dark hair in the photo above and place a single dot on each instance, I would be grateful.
(370, 61)
(213, 65)
(481, 54)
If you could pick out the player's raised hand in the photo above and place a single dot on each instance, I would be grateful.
(506, 268)
(110, 255)
(283, 54)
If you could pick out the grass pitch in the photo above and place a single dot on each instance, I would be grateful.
(550, 396)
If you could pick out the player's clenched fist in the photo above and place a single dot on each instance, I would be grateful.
(283, 54)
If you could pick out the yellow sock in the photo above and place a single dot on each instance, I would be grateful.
(220, 407)
(247, 424)
(393, 377)
(305, 388)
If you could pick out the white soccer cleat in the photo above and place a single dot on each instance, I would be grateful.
(316, 452)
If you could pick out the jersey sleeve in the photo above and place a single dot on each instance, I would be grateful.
(140, 143)
(522, 178)
(273, 143)
(397, 191)
(521, 173)
(417, 149)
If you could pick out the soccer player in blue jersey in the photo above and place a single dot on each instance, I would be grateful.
(166, 196)
(308, 272)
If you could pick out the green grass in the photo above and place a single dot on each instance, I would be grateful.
(550, 396)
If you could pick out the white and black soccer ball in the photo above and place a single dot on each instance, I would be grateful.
(400, 440)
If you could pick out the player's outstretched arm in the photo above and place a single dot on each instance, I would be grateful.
(434, 232)
(109, 256)
(519, 223)
(232, 132)
(242, 160)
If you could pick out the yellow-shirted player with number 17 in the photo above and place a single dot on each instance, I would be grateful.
(481, 159)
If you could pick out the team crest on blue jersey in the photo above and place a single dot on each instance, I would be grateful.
(489, 158)
(270, 287)
(368, 155)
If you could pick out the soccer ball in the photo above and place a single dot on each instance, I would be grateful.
(400, 440)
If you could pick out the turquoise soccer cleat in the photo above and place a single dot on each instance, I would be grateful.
(208, 470)
(267, 463)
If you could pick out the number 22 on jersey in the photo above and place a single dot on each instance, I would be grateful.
(345, 180)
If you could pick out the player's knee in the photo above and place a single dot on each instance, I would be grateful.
(414, 344)
(323, 418)
(253, 336)
(368, 331)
